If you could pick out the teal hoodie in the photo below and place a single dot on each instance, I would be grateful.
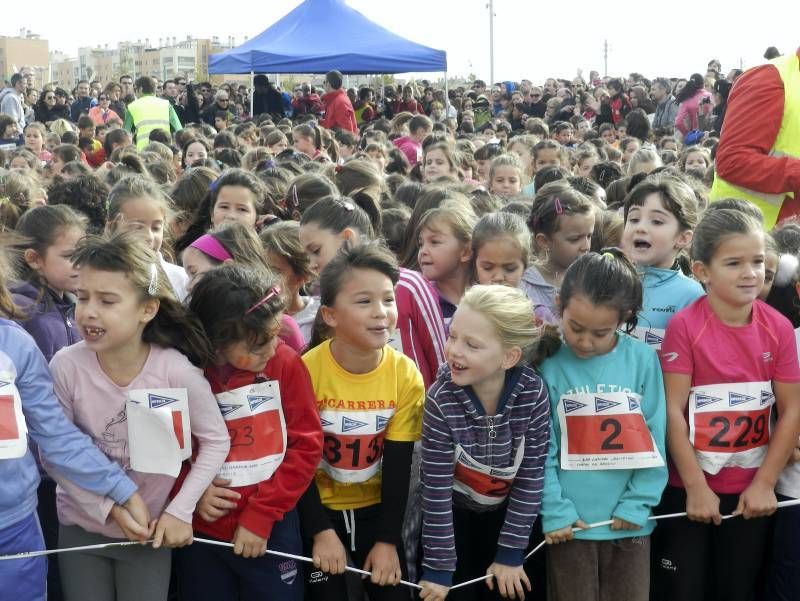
(666, 291)
(602, 494)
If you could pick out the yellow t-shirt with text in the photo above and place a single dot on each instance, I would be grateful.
(358, 412)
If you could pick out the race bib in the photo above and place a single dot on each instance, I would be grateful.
(650, 336)
(254, 418)
(159, 435)
(729, 424)
(605, 431)
(13, 430)
(353, 443)
(485, 485)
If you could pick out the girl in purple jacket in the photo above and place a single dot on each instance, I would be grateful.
(484, 442)
(48, 235)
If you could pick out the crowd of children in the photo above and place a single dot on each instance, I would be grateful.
(419, 351)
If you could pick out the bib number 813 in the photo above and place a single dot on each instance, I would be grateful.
(352, 452)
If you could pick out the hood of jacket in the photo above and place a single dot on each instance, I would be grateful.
(532, 277)
(6, 92)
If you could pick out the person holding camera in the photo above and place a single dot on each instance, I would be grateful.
(694, 102)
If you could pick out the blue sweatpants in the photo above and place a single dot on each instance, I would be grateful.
(214, 573)
(23, 579)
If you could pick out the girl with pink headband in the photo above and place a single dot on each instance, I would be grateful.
(233, 243)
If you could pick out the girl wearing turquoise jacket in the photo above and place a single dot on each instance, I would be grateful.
(608, 421)
(660, 217)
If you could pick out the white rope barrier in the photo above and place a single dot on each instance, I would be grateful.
(30, 554)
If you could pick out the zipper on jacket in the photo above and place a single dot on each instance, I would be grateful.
(490, 423)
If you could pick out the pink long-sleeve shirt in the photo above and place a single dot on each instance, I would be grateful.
(420, 324)
(97, 407)
(686, 119)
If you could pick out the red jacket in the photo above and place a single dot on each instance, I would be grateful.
(752, 121)
(339, 111)
(309, 103)
(410, 106)
(263, 504)
(620, 107)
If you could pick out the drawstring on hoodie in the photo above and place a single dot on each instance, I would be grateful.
(350, 526)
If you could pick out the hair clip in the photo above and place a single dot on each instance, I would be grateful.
(215, 184)
(271, 293)
(338, 169)
(295, 197)
(558, 207)
(153, 287)
(268, 164)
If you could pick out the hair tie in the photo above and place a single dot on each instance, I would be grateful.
(215, 184)
(337, 169)
(348, 206)
(269, 164)
(211, 247)
(153, 287)
(609, 255)
(558, 207)
(272, 292)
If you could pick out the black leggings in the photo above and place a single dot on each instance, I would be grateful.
(358, 537)
(692, 561)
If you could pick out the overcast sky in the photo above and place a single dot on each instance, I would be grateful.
(532, 39)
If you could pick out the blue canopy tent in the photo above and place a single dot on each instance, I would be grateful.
(320, 35)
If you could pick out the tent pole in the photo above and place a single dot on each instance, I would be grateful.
(446, 98)
(252, 94)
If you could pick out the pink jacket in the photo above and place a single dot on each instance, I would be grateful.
(409, 147)
(686, 119)
(96, 114)
(420, 324)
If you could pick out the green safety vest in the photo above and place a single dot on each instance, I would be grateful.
(149, 113)
(786, 144)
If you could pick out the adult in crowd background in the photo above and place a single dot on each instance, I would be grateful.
(306, 101)
(11, 101)
(758, 158)
(149, 113)
(221, 104)
(83, 101)
(694, 104)
(339, 113)
(266, 99)
(666, 105)
(102, 112)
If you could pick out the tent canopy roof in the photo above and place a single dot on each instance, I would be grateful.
(320, 35)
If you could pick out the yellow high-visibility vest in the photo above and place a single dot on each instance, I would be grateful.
(786, 144)
(149, 113)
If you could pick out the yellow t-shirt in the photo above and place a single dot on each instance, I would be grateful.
(358, 412)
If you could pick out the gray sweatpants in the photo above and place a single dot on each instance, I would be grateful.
(133, 573)
(608, 570)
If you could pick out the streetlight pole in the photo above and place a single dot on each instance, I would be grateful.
(491, 42)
